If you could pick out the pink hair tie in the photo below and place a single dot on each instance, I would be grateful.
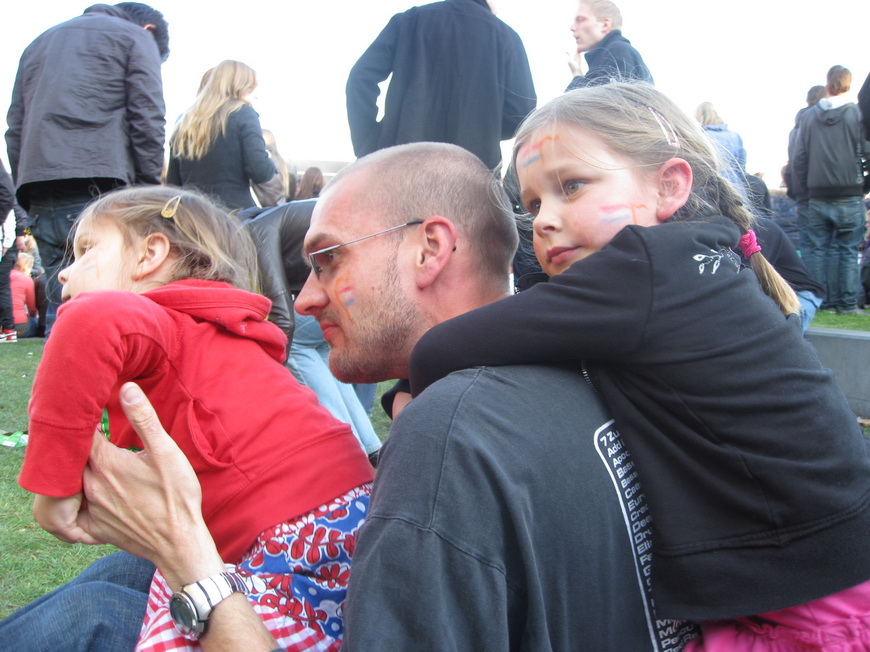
(749, 243)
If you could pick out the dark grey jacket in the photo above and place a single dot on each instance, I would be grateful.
(88, 103)
(830, 152)
(460, 75)
(749, 454)
(613, 58)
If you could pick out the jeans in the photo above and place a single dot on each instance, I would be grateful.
(100, 610)
(309, 362)
(28, 329)
(51, 223)
(834, 233)
(366, 393)
(809, 305)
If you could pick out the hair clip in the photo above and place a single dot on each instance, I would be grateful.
(667, 130)
(171, 207)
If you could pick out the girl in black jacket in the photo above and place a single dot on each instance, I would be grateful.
(756, 471)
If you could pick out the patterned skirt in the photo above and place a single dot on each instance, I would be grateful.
(296, 574)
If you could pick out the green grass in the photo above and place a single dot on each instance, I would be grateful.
(824, 319)
(32, 561)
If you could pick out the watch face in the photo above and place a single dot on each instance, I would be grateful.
(183, 614)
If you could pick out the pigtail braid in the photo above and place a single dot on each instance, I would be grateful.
(772, 283)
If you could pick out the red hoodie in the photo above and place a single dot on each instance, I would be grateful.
(264, 449)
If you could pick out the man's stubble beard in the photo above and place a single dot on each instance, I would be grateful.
(386, 330)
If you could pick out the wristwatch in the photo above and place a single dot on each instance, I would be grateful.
(192, 604)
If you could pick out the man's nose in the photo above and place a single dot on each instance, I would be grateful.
(312, 297)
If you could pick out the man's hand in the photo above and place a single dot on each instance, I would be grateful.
(149, 503)
(58, 517)
(575, 63)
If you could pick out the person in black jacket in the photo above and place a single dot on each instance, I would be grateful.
(609, 55)
(87, 115)
(754, 466)
(218, 145)
(831, 156)
(460, 76)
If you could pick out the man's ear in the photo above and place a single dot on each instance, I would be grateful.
(151, 252)
(674, 179)
(435, 243)
(606, 25)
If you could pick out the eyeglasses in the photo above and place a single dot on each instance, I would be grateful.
(321, 259)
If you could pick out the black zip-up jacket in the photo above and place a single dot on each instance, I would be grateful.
(460, 75)
(88, 104)
(756, 471)
(830, 152)
(613, 58)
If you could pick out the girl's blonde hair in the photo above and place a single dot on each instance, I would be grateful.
(206, 242)
(24, 262)
(642, 125)
(222, 92)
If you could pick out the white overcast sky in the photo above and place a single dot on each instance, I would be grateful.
(754, 59)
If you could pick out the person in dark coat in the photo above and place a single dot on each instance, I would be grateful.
(87, 115)
(460, 76)
(218, 146)
(597, 30)
(830, 158)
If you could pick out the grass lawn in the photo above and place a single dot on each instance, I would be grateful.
(33, 562)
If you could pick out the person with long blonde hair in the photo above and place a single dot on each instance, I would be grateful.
(218, 145)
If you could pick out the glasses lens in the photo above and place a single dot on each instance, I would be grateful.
(321, 262)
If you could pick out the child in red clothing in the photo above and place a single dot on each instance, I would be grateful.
(23, 296)
(158, 294)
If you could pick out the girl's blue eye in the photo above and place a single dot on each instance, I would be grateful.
(572, 186)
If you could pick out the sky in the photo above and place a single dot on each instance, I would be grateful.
(753, 59)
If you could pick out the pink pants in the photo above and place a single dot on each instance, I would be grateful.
(836, 623)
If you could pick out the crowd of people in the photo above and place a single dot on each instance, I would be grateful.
(698, 481)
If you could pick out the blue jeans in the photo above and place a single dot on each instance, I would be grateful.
(51, 223)
(100, 610)
(366, 393)
(834, 232)
(309, 362)
(809, 305)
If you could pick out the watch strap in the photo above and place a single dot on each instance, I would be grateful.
(207, 593)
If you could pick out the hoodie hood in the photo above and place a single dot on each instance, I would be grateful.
(241, 313)
(832, 109)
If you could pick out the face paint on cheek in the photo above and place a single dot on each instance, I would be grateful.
(344, 291)
(617, 213)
